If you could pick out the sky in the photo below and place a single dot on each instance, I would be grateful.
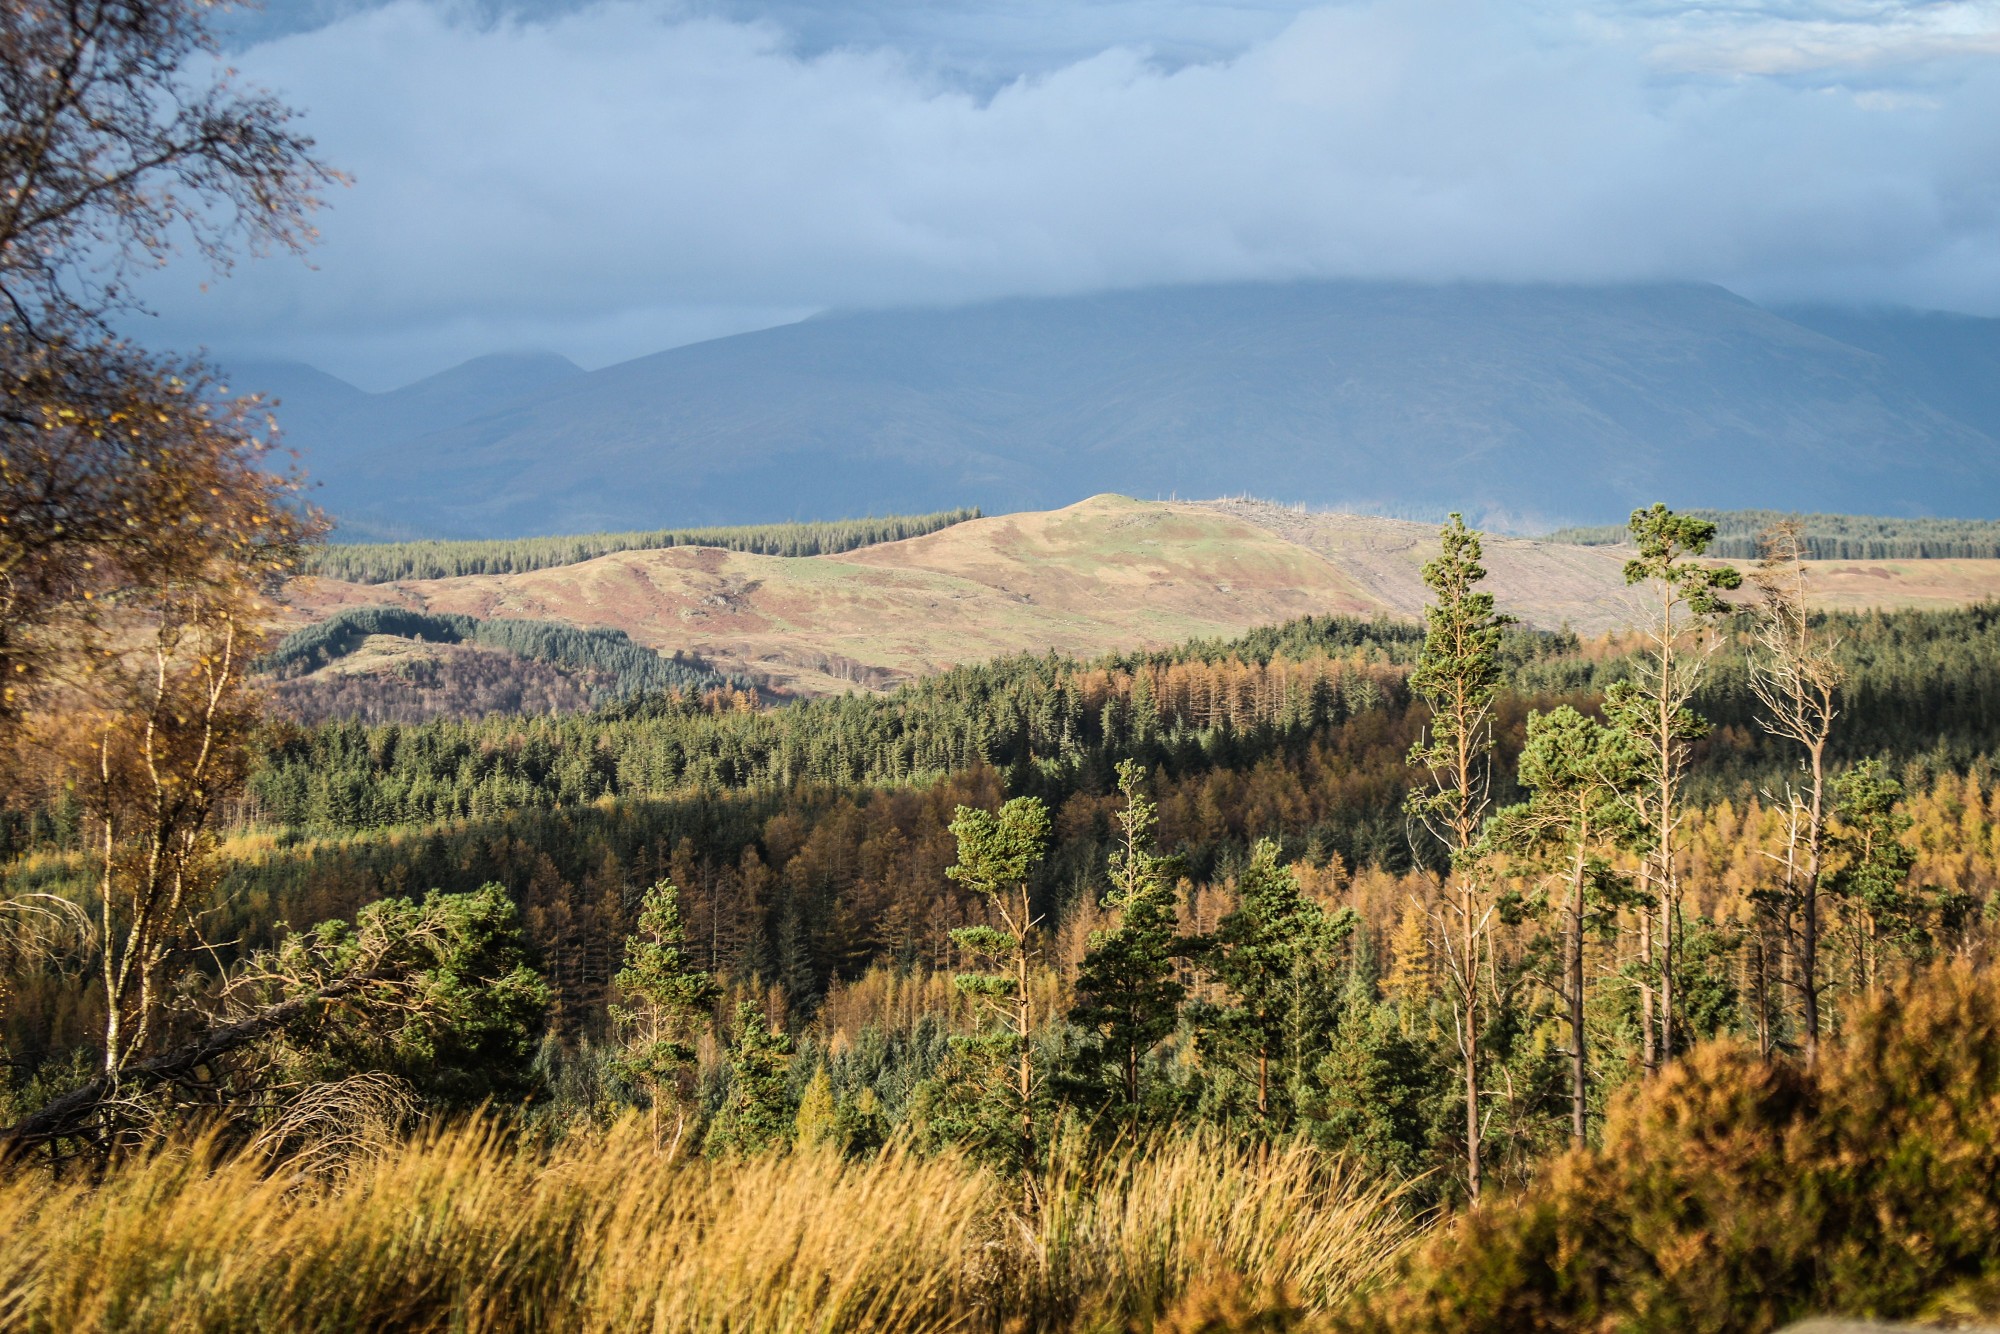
(608, 178)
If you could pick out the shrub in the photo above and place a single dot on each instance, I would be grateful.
(1735, 1194)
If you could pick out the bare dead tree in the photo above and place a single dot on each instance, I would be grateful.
(1797, 678)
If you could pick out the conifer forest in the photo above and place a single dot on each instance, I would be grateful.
(370, 965)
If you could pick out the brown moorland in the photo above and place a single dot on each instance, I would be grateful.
(1106, 574)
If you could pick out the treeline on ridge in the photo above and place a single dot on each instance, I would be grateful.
(1826, 536)
(384, 562)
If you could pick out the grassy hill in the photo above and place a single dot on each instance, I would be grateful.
(1107, 574)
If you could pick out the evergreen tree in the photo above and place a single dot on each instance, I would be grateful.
(1377, 1093)
(1887, 913)
(1270, 954)
(1579, 773)
(1457, 674)
(1654, 708)
(997, 852)
(665, 1001)
(758, 1114)
(1127, 991)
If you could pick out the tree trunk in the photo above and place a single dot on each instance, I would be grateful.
(1579, 1071)
(1809, 906)
(1649, 1058)
(1471, 1107)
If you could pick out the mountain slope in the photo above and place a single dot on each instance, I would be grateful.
(1952, 360)
(332, 423)
(1520, 403)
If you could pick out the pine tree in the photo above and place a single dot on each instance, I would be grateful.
(1270, 953)
(1874, 869)
(1457, 673)
(757, 1115)
(996, 855)
(1580, 774)
(666, 1000)
(1654, 709)
(1126, 989)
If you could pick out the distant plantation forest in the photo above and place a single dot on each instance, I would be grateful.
(1827, 536)
(574, 667)
(382, 562)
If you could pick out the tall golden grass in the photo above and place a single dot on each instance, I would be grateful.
(471, 1229)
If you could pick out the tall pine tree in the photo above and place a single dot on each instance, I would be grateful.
(1271, 956)
(1457, 673)
(997, 853)
(1579, 773)
(1654, 709)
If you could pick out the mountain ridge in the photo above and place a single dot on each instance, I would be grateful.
(1530, 404)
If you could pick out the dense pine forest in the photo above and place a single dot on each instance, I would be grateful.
(1344, 976)
(386, 562)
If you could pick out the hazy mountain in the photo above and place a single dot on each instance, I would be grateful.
(1522, 403)
(1952, 360)
(333, 424)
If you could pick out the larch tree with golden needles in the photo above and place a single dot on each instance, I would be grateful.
(1457, 673)
(1797, 679)
(1654, 709)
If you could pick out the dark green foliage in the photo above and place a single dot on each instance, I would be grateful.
(384, 562)
(758, 1113)
(1670, 547)
(452, 1006)
(1273, 956)
(609, 656)
(1458, 672)
(1735, 1195)
(1580, 775)
(1705, 969)
(664, 998)
(1128, 996)
(1827, 536)
(1380, 1094)
(1871, 868)
(1021, 713)
(997, 853)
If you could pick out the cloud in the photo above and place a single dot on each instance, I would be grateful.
(616, 177)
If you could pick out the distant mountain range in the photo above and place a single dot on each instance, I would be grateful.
(1524, 405)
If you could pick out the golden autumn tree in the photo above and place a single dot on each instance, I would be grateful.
(141, 528)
